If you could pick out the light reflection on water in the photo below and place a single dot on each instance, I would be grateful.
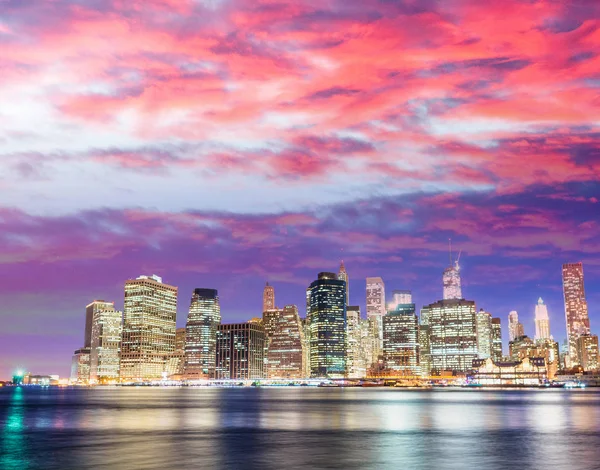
(298, 428)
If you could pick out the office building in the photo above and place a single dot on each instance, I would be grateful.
(496, 339)
(356, 359)
(576, 308)
(376, 309)
(343, 276)
(269, 320)
(268, 298)
(105, 350)
(148, 328)
(401, 341)
(587, 348)
(542, 321)
(180, 339)
(400, 297)
(305, 347)
(203, 321)
(240, 351)
(328, 326)
(285, 346)
(515, 328)
(90, 311)
(451, 281)
(80, 366)
(484, 334)
(452, 335)
(528, 371)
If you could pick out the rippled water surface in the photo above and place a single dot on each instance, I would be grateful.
(293, 427)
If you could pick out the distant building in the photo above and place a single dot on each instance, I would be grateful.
(148, 328)
(521, 347)
(90, 311)
(424, 345)
(80, 366)
(305, 347)
(587, 348)
(376, 308)
(343, 276)
(241, 351)
(328, 326)
(270, 319)
(484, 334)
(529, 371)
(542, 321)
(401, 341)
(576, 308)
(452, 285)
(452, 334)
(496, 339)
(268, 298)
(515, 328)
(180, 339)
(401, 297)
(355, 359)
(201, 328)
(285, 347)
(105, 350)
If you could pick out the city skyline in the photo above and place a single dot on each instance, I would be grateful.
(224, 144)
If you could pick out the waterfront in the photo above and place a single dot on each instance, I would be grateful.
(293, 427)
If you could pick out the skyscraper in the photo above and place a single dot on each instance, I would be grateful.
(576, 308)
(452, 284)
(80, 366)
(401, 341)
(268, 298)
(452, 334)
(90, 310)
(105, 351)
(269, 320)
(484, 334)
(515, 328)
(401, 297)
(356, 361)
(343, 276)
(328, 326)
(201, 328)
(542, 321)
(376, 309)
(285, 347)
(587, 348)
(240, 351)
(496, 339)
(148, 328)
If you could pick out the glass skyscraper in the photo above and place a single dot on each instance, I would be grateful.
(203, 321)
(285, 346)
(401, 341)
(576, 308)
(105, 351)
(328, 326)
(496, 339)
(484, 334)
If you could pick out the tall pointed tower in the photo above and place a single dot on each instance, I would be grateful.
(343, 276)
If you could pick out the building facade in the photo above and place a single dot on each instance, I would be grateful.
(201, 328)
(343, 276)
(376, 309)
(515, 327)
(576, 308)
(268, 298)
(149, 327)
(451, 282)
(496, 339)
(485, 338)
(105, 350)
(542, 321)
(80, 366)
(355, 361)
(285, 346)
(529, 371)
(587, 348)
(240, 351)
(401, 341)
(400, 297)
(328, 326)
(452, 335)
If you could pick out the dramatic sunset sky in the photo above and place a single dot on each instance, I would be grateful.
(224, 143)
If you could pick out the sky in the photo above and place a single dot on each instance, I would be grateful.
(226, 143)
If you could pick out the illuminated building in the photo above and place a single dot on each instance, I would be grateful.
(80, 366)
(328, 326)
(90, 311)
(284, 355)
(587, 348)
(400, 297)
(451, 281)
(148, 328)
(484, 334)
(355, 358)
(176, 361)
(203, 321)
(240, 351)
(515, 328)
(576, 308)
(548, 349)
(424, 346)
(452, 334)
(401, 341)
(376, 309)
(521, 347)
(529, 371)
(268, 298)
(542, 321)
(305, 347)
(180, 339)
(42, 380)
(105, 351)
(496, 339)
(269, 320)
(343, 276)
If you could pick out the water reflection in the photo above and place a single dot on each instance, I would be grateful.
(297, 428)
